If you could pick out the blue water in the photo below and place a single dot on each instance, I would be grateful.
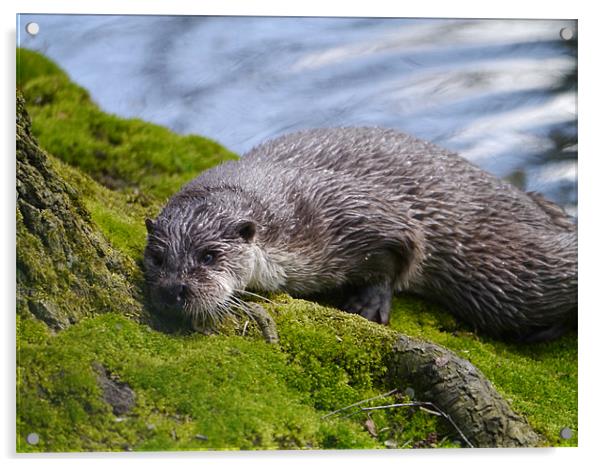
(500, 92)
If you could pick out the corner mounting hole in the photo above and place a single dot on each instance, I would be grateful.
(32, 28)
(566, 433)
(567, 34)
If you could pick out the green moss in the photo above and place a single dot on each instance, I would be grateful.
(236, 392)
(119, 214)
(122, 154)
(343, 359)
(343, 354)
(32, 65)
(540, 380)
(211, 392)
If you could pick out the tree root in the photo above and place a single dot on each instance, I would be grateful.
(460, 391)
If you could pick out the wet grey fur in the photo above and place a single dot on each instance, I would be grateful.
(358, 214)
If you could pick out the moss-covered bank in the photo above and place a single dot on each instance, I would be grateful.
(191, 392)
(212, 392)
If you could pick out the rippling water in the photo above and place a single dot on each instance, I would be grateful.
(500, 92)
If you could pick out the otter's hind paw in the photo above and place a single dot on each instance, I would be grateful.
(373, 302)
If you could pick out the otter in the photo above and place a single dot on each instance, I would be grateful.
(355, 215)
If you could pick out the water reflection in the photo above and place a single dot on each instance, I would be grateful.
(503, 93)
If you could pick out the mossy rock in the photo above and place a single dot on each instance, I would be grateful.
(189, 391)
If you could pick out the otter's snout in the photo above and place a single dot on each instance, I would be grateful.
(173, 293)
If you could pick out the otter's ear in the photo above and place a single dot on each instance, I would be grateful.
(150, 226)
(246, 230)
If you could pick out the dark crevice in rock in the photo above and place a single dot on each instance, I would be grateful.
(120, 396)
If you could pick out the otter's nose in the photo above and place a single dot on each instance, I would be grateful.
(173, 293)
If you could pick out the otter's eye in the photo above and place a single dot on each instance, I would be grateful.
(207, 258)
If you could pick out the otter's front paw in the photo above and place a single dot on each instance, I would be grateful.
(265, 322)
(373, 302)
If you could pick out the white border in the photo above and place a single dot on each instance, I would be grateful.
(589, 211)
(461, 8)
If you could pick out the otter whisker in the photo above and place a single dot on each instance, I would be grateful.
(246, 292)
(203, 317)
(220, 313)
(238, 304)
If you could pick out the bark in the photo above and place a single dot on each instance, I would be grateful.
(66, 269)
(461, 391)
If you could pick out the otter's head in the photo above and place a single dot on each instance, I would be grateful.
(196, 259)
